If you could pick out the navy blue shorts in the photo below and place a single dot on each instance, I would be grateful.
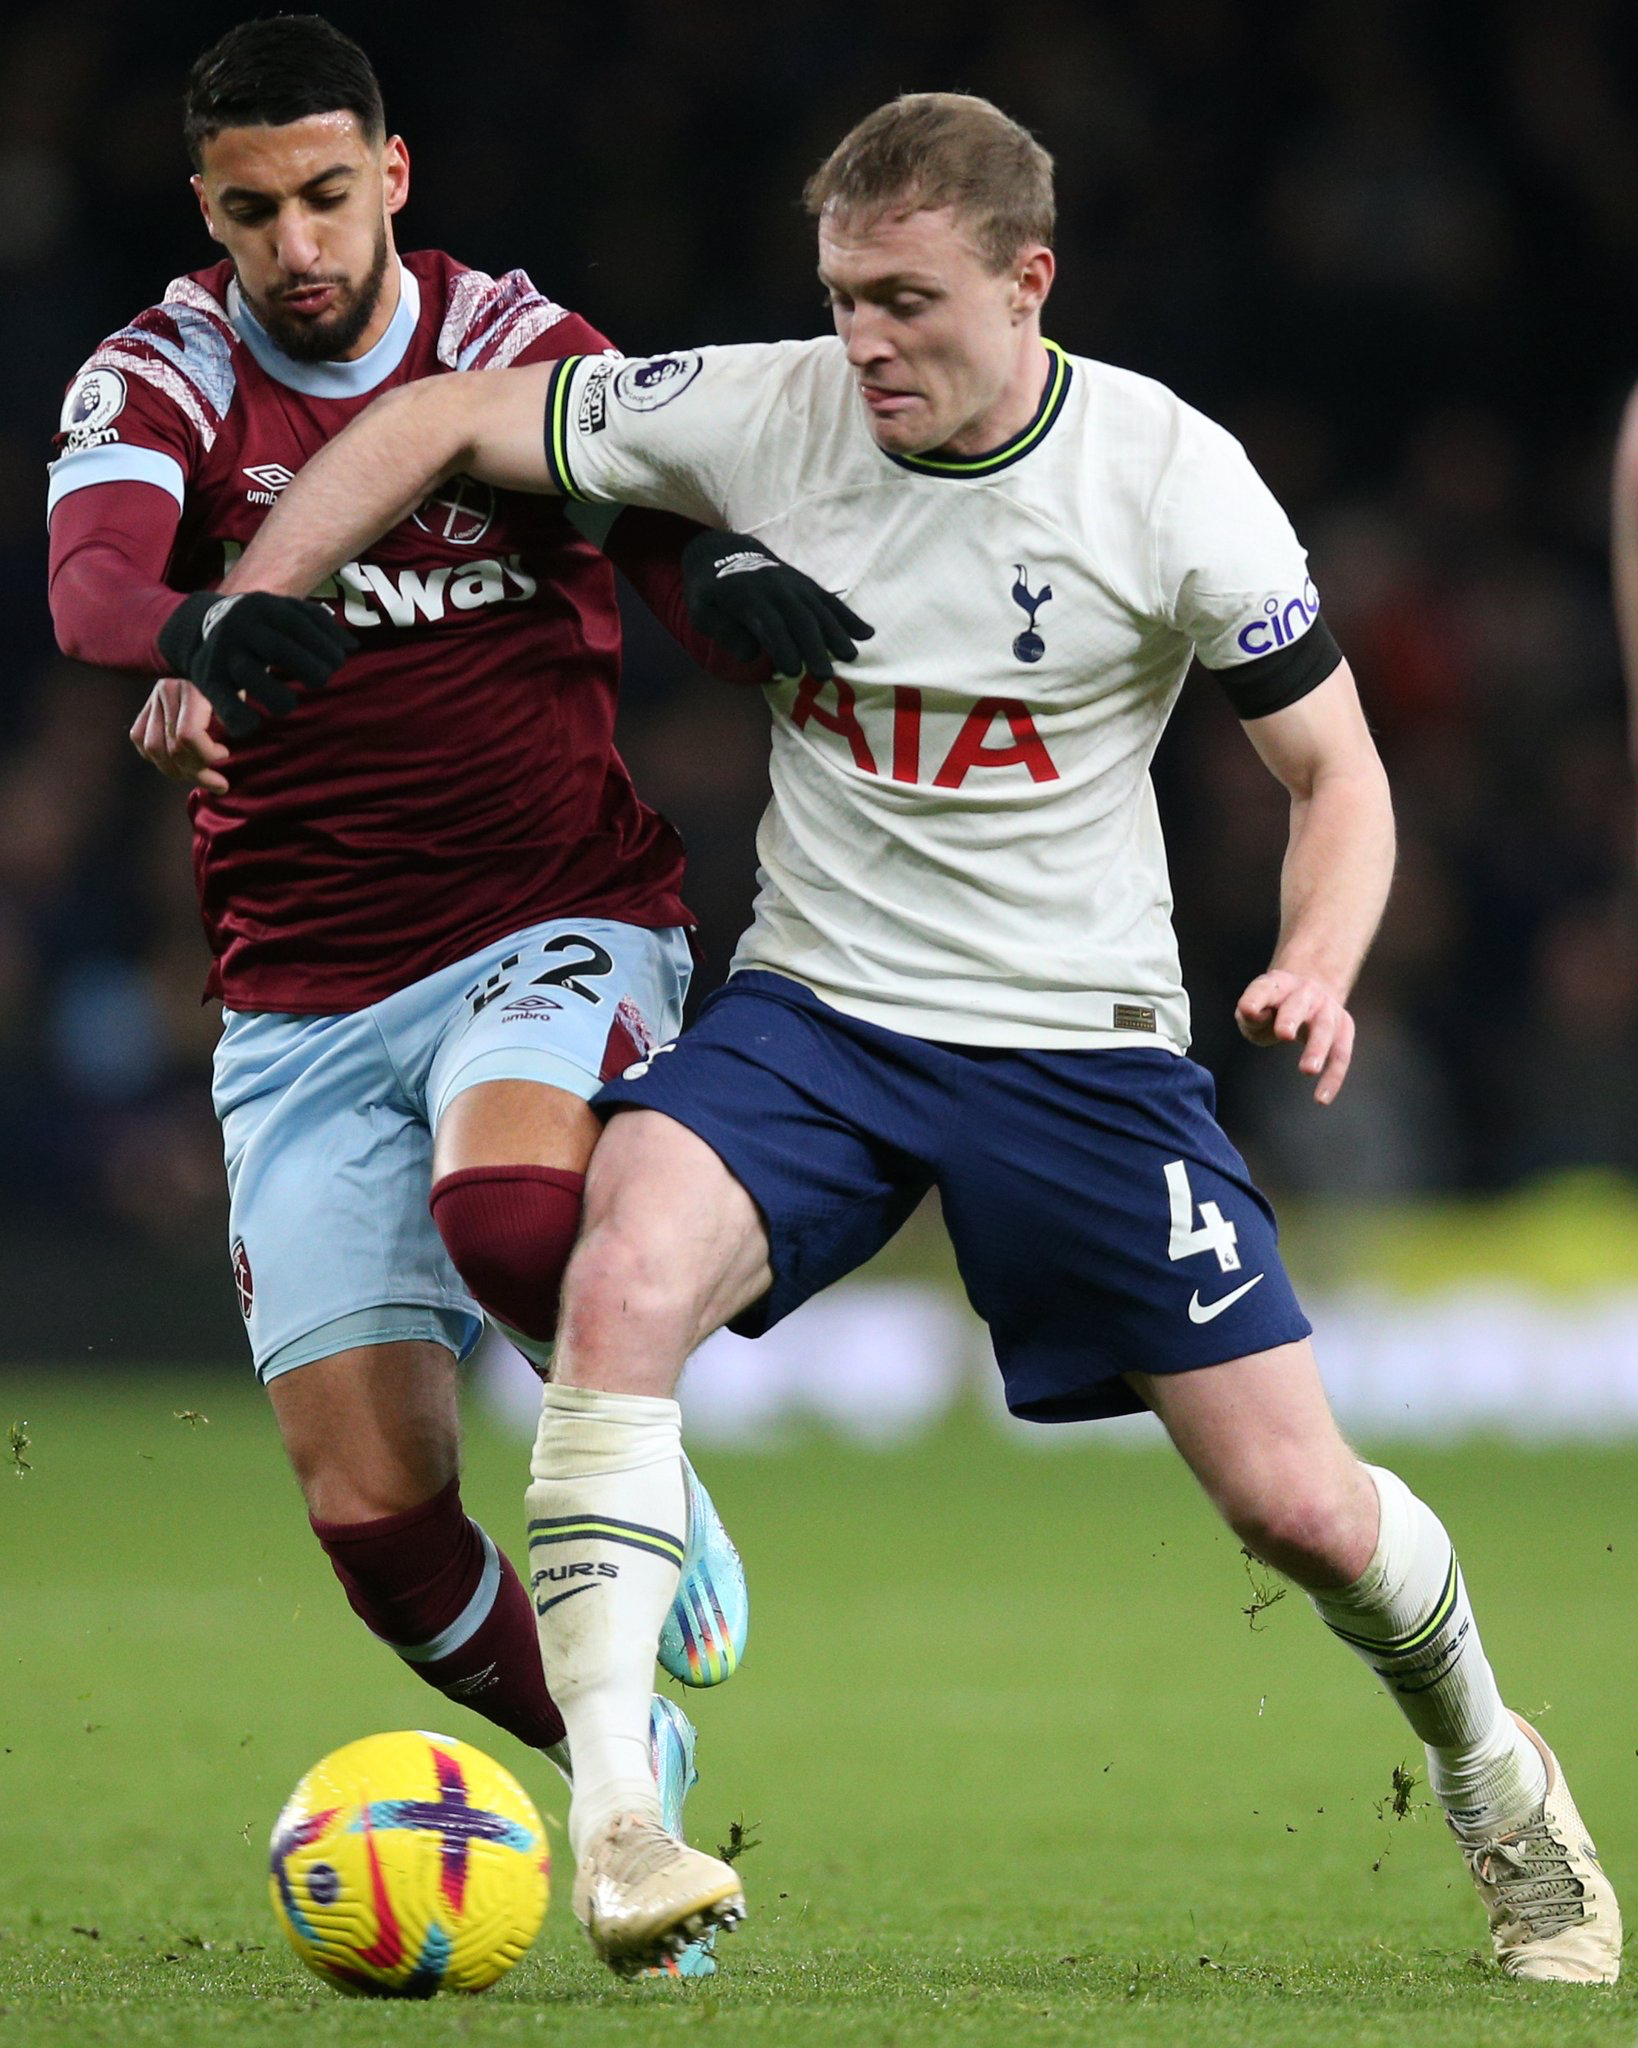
(1102, 1222)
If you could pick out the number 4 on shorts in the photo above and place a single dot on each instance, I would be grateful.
(1215, 1232)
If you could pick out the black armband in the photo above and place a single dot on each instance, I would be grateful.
(1257, 688)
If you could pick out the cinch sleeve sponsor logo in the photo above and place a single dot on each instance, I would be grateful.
(1283, 620)
(592, 416)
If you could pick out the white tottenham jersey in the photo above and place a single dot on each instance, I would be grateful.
(963, 842)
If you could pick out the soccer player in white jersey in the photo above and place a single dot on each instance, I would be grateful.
(961, 972)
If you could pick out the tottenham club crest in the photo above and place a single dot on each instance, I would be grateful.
(654, 381)
(96, 400)
(1029, 646)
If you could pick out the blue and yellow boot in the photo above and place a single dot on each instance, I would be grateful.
(671, 1745)
(704, 1635)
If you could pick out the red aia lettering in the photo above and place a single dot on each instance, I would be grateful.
(970, 752)
(843, 719)
(906, 734)
(971, 749)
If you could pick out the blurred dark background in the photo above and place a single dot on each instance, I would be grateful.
(1392, 246)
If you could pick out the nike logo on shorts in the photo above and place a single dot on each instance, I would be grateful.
(1203, 1311)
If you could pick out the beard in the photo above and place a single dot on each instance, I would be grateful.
(329, 339)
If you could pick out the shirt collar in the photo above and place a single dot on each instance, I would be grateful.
(1056, 391)
(333, 380)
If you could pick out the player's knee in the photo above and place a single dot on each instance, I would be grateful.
(509, 1231)
(626, 1280)
(1309, 1530)
(359, 1478)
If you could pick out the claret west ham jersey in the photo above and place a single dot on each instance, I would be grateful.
(963, 842)
(456, 780)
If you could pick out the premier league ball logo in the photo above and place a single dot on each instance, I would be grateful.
(656, 380)
(90, 409)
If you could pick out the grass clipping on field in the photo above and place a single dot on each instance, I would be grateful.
(1266, 1590)
(740, 1840)
(1400, 1804)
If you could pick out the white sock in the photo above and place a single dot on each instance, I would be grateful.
(1408, 1616)
(608, 1524)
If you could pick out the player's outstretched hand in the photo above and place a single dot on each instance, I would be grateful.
(1278, 1008)
(172, 733)
(230, 647)
(751, 603)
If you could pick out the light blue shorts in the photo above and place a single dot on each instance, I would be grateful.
(328, 1124)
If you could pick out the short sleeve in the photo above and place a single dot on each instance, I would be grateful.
(117, 426)
(1233, 576)
(498, 323)
(664, 431)
(571, 336)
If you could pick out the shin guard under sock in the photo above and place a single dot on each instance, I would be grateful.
(608, 1526)
(1408, 1617)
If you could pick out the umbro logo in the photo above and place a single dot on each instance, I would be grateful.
(531, 1006)
(270, 478)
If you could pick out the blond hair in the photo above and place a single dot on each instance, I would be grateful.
(927, 150)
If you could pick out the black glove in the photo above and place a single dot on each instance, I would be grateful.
(228, 645)
(750, 602)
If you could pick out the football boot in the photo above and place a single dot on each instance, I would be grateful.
(1553, 1915)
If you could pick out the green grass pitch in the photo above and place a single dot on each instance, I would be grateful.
(1020, 1767)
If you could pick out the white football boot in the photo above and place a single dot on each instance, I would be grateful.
(1553, 1916)
(643, 1896)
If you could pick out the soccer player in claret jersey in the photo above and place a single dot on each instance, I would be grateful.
(439, 912)
(961, 972)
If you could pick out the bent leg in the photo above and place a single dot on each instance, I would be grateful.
(374, 1437)
(672, 1247)
(510, 1226)
(1259, 1435)
(509, 1167)
(532, 1030)
(370, 1432)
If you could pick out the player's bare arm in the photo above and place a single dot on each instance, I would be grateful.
(1335, 879)
(490, 425)
(486, 425)
(1624, 557)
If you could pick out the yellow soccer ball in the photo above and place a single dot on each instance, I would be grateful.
(407, 1864)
